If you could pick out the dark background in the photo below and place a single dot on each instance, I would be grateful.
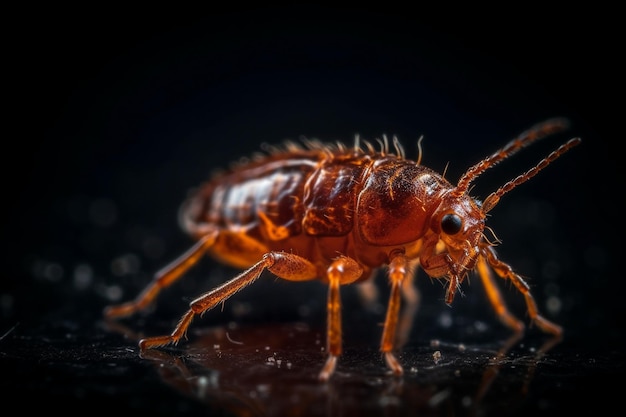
(113, 116)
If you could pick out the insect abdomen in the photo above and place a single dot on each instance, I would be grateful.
(262, 200)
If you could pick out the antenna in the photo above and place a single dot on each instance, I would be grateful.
(531, 135)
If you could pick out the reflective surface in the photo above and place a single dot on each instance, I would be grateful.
(266, 370)
(74, 361)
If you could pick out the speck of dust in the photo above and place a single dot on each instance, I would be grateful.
(263, 389)
(127, 264)
(113, 293)
(553, 304)
(203, 382)
(48, 271)
(439, 397)
(445, 320)
(83, 276)
(388, 400)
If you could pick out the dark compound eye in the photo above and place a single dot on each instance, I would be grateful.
(451, 224)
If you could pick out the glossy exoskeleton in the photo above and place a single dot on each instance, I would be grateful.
(336, 213)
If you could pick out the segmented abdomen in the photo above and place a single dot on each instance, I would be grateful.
(283, 196)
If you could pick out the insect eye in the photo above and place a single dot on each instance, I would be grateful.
(451, 223)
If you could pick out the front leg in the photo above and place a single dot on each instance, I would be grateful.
(505, 271)
(495, 297)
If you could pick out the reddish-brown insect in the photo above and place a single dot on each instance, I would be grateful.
(337, 214)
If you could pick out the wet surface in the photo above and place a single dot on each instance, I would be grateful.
(279, 375)
(118, 120)
(271, 368)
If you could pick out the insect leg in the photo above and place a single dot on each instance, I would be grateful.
(164, 278)
(282, 264)
(411, 297)
(495, 297)
(342, 270)
(505, 271)
(398, 269)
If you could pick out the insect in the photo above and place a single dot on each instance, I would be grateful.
(334, 213)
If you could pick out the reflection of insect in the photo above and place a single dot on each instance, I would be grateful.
(338, 213)
(231, 379)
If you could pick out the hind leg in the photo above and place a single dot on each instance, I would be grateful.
(284, 265)
(164, 278)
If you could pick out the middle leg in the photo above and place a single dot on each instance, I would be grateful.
(398, 271)
(342, 270)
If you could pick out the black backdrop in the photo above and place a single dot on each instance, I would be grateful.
(113, 116)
